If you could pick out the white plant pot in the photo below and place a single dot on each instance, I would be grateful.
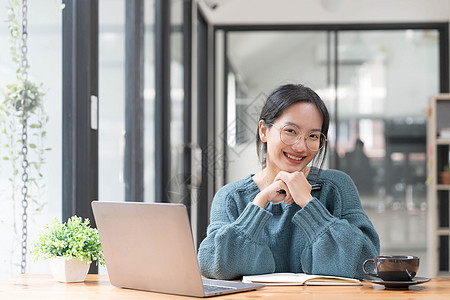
(69, 269)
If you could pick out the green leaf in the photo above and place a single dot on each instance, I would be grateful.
(74, 238)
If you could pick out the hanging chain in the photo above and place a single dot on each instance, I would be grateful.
(24, 67)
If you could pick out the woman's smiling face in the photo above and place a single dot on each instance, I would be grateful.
(291, 158)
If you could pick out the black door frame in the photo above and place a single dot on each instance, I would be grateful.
(80, 113)
(206, 141)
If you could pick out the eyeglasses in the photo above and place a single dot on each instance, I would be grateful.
(290, 135)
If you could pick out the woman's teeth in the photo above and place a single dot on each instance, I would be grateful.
(294, 157)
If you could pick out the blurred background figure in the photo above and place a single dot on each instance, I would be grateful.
(357, 165)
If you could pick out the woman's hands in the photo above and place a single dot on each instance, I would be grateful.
(298, 185)
(295, 185)
(272, 194)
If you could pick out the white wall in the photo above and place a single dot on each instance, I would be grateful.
(326, 11)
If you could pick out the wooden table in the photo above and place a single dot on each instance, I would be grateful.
(34, 286)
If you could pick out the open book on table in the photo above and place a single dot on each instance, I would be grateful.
(299, 279)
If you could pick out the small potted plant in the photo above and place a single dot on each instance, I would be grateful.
(445, 175)
(71, 247)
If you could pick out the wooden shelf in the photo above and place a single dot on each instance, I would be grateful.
(443, 231)
(440, 141)
(443, 187)
(437, 153)
(443, 274)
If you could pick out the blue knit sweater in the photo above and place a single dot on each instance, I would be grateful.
(331, 235)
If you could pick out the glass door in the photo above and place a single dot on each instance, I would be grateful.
(385, 80)
(44, 131)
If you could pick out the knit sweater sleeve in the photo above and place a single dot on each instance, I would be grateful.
(233, 246)
(339, 242)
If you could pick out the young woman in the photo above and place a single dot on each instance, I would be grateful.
(291, 216)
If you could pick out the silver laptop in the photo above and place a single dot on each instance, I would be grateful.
(149, 246)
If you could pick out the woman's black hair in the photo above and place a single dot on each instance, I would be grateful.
(282, 98)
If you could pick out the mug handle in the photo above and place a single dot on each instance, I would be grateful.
(364, 267)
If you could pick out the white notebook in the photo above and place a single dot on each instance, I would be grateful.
(299, 279)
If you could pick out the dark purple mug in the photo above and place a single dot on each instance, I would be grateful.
(393, 267)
